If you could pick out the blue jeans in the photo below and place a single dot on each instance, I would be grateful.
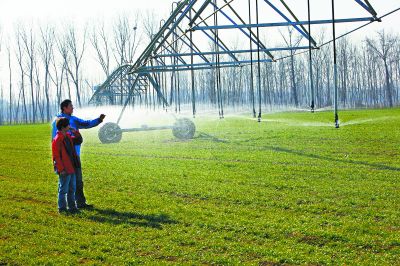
(66, 191)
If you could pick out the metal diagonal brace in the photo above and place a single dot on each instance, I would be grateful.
(132, 89)
(224, 47)
(157, 88)
(199, 12)
(151, 48)
(172, 50)
(374, 13)
(176, 22)
(258, 42)
(367, 6)
(297, 20)
(192, 45)
(287, 19)
(250, 30)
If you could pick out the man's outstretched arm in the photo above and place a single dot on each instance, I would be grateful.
(85, 124)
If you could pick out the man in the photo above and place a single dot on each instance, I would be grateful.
(76, 123)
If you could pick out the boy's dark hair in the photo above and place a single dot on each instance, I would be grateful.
(62, 122)
(65, 104)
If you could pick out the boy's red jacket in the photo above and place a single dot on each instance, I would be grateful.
(62, 161)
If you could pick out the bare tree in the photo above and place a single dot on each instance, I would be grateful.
(47, 53)
(72, 50)
(384, 49)
(20, 59)
(57, 77)
(63, 50)
(291, 41)
(125, 39)
(150, 24)
(125, 44)
(29, 44)
(100, 42)
(39, 101)
(10, 84)
(344, 58)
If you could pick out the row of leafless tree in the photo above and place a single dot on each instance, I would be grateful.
(44, 65)
(368, 77)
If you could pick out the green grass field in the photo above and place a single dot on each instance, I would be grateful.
(291, 190)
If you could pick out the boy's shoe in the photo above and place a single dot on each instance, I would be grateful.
(74, 211)
(62, 211)
(85, 206)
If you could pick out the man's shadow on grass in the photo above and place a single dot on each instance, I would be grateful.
(131, 218)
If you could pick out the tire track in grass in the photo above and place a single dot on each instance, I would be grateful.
(183, 158)
(260, 148)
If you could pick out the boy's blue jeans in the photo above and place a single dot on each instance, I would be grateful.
(66, 191)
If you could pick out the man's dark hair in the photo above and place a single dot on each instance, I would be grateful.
(65, 104)
(62, 122)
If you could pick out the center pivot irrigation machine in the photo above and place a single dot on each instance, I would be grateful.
(178, 47)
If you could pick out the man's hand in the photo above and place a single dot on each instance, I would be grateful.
(63, 173)
(102, 116)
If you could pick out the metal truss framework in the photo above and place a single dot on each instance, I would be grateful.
(188, 17)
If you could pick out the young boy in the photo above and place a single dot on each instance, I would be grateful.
(65, 162)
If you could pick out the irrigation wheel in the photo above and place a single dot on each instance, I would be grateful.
(110, 133)
(183, 129)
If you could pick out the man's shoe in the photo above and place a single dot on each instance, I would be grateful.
(85, 206)
(62, 211)
(74, 211)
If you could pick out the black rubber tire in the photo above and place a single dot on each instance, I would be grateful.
(184, 129)
(110, 133)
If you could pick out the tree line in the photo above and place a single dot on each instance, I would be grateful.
(42, 65)
(368, 77)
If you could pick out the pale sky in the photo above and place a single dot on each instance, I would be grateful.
(80, 12)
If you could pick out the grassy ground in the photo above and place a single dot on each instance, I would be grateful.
(291, 190)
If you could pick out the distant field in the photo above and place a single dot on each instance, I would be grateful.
(290, 190)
